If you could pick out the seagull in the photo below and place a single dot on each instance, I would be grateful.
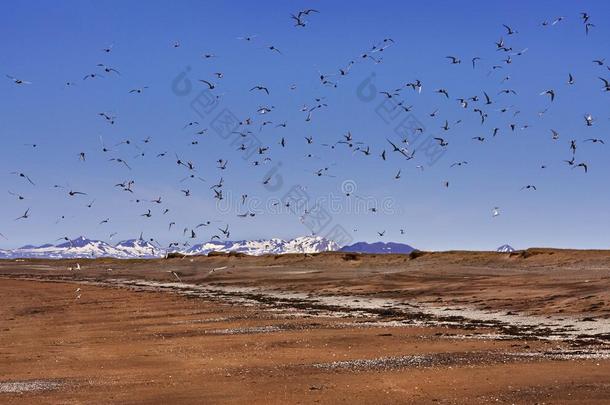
(441, 142)
(25, 215)
(258, 87)
(555, 134)
(138, 90)
(17, 81)
(594, 140)
(442, 91)
(211, 86)
(311, 10)
(19, 197)
(589, 119)
(108, 69)
(509, 30)
(273, 48)
(107, 117)
(92, 76)
(215, 269)
(73, 193)
(495, 212)
(402, 151)
(529, 187)
(585, 17)
(225, 231)
(298, 21)
(454, 60)
(24, 176)
(247, 38)
(550, 93)
(388, 94)
(606, 84)
(416, 85)
(587, 27)
(571, 78)
(119, 160)
(583, 165)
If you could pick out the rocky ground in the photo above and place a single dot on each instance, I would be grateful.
(456, 327)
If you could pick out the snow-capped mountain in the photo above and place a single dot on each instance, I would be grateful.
(82, 247)
(377, 247)
(139, 248)
(305, 244)
(505, 249)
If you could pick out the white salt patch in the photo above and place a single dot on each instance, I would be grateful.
(16, 387)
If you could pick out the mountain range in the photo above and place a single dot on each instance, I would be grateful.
(82, 247)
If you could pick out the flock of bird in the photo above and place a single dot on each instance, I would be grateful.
(481, 105)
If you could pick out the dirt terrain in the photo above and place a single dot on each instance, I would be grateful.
(453, 327)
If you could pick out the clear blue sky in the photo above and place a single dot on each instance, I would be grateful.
(51, 43)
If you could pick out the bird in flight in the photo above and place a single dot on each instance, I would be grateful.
(509, 30)
(583, 166)
(24, 176)
(259, 87)
(18, 81)
(441, 142)
(25, 215)
(550, 93)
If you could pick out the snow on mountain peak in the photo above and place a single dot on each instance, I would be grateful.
(82, 247)
(304, 244)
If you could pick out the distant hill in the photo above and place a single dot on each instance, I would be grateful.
(378, 247)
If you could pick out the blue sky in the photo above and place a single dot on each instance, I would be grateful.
(50, 44)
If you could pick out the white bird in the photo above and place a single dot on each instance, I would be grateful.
(216, 269)
(495, 212)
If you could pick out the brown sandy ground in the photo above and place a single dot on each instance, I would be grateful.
(121, 346)
(536, 281)
(121, 341)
